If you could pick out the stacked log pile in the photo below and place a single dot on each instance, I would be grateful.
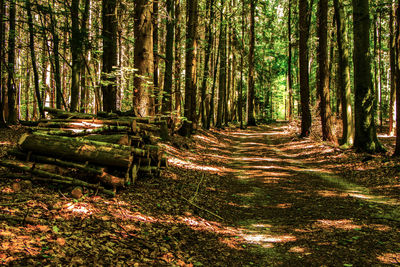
(114, 150)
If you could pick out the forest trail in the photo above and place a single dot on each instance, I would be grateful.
(295, 210)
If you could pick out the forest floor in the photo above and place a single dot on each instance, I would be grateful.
(254, 197)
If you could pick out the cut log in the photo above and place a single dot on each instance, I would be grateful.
(107, 129)
(103, 176)
(51, 176)
(78, 149)
(58, 113)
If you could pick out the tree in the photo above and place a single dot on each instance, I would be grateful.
(323, 75)
(76, 51)
(397, 45)
(304, 24)
(392, 58)
(222, 70)
(344, 74)
(289, 62)
(169, 59)
(11, 85)
(143, 57)
(109, 87)
(365, 129)
(251, 121)
(2, 45)
(190, 68)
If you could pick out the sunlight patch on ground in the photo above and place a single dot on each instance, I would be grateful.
(331, 193)
(190, 165)
(5, 143)
(260, 238)
(298, 249)
(337, 224)
(390, 258)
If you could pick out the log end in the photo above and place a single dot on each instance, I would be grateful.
(23, 138)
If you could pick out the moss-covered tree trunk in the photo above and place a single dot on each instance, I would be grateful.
(365, 129)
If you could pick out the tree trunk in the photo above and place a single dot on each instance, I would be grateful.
(323, 75)
(169, 59)
(110, 60)
(344, 75)
(76, 51)
(2, 46)
(11, 86)
(289, 73)
(222, 70)
(156, 86)
(33, 59)
(303, 65)
(209, 32)
(392, 56)
(190, 68)
(365, 129)
(251, 121)
(177, 90)
(397, 45)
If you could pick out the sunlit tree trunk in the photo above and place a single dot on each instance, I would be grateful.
(11, 86)
(303, 65)
(240, 101)
(365, 129)
(143, 59)
(110, 59)
(344, 74)
(251, 90)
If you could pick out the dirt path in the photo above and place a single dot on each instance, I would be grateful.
(295, 212)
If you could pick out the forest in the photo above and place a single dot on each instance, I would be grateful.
(200, 132)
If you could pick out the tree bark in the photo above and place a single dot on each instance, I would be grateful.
(169, 59)
(177, 88)
(323, 76)
(222, 70)
(156, 86)
(76, 51)
(392, 57)
(2, 45)
(190, 68)
(251, 121)
(397, 45)
(303, 65)
(11, 86)
(109, 86)
(365, 129)
(289, 73)
(143, 58)
(344, 74)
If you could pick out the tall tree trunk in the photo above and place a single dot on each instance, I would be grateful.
(33, 59)
(392, 56)
(240, 101)
(323, 75)
(397, 45)
(76, 51)
(251, 121)
(365, 129)
(212, 107)
(303, 65)
(177, 90)
(156, 86)
(169, 59)
(143, 58)
(380, 70)
(344, 74)
(209, 31)
(110, 59)
(222, 70)
(190, 68)
(83, 56)
(289, 73)
(2, 45)
(11, 86)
